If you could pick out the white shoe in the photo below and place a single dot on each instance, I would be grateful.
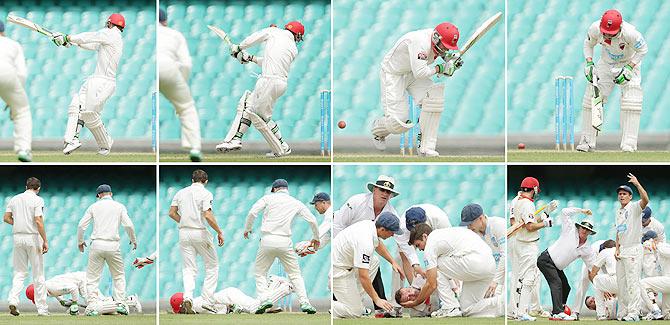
(428, 152)
(631, 318)
(540, 313)
(654, 315)
(231, 145)
(379, 143)
(561, 316)
(134, 300)
(601, 317)
(71, 146)
(106, 151)
(271, 154)
(627, 148)
(24, 156)
(525, 318)
(43, 313)
(585, 145)
(447, 312)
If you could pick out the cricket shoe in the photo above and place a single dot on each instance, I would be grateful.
(74, 309)
(274, 310)
(601, 317)
(92, 312)
(627, 148)
(396, 312)
(134, 301)
(428, 152)
(447, 312)
(195, 155)
(231, 145)
(585, 145)
(306, 307)
(187, 305)
(272, 154)
(106, 151)
(379, 143)
(210, 308)
(654, 315)
(525, 318)
(540, 313)
(43, 313)
(561, 316)
(122, 309)
(13, 310)
(631, 318)
(71, 146)
(264, 306)
(25, 156)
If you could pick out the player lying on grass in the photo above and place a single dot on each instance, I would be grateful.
(74, 284)
(609, 306)
(424, 309)
(233, 300)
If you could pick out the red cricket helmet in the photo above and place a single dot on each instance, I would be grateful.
(175, 301)
(611, 22)
(30, 293)
(531, 182)
(118, 20)
(445, 37)
(296, 28)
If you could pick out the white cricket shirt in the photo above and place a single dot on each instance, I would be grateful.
(24, 208)
(109, 45)
(11, 57)
(191, 203)
(455, 241)
(279, 52)
(627, 46)
(359, 207)
(629, 225)
(436, 218)
(412, 53)
(173, 49)
(354, 246)
(279, 209)
(107, 216)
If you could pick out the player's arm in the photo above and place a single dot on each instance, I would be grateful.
(427, 289)
(92, 39)
(129, 227)
(640, 46)
(251, 217)
(420, 68)
(644, 197)
(366, 283)
(590, 42)
(174, 214)
(184, 58)
(209, 216)
(324, 232)
(39, 221)
(383, 252)
(81, 228)
(593, 272)
(7, 218)
(309, 217)
(255, 38)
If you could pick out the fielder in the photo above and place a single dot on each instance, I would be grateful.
(191, 208)
(651, 223)
(584, 282)
(623, 49)
(256, 107)
(279, 208)
(233, 300)
(25, 213)
(628, 247)
(353, 265)
(463, 255)
(13, 74)
(321, 203)
(603, 276)
(657, 284)
(174, 64)
(649, 265)
(107, 215)
(407, 70)
(86, 106)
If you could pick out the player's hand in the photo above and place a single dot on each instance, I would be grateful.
(587, 212)
(81, 247)
(491, 291)
(419, 271)
(624, 75)
(608, 295)
(134, 245)
(383, 304)
(633, 180)
(45, 247)
(398, 269)
(548, 222)
(60, 39)
(617, 255)
(552, 206)
(588, 71)
(315, 243)
(220, 238)
(142, 262)
(452, 65)
(234, 50)
(246, 234)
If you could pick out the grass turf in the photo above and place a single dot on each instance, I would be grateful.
(422, 320)
(247, 319)
(242, 157)
(515, 155)
(583, 321)
(57, 319)
(81, 156)
(403, 159)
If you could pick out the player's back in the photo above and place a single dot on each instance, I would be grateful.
(109, 52)
(280, 51)
(280, 209)
(397, 59)
(169, 43)
(107, 215)
(25, 207)
(9, 50)
(457, 241)
(191, 201)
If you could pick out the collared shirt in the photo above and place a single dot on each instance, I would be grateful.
(566, 249)
(627, 46)
(629, 225)
(656, 226)
(436, 218)
(524, 211)
(279, 209)
(354, 246)
(455, 241)
(24, 208)
(191, 203)
(359, 207)
(411, 54)
(605, 261)
(495, 236)
(109, 45)
(279, 52)
(107, 216)
(12, 58)
(172, 48)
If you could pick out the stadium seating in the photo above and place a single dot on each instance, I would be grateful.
(365, 30)
(235, 190)
(546, 40)
(66, 200)
(218, 81)
(449, 187)
(55, 74)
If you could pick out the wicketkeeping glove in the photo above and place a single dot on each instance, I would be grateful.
(304, 248)
(588, 71)
(624, 75)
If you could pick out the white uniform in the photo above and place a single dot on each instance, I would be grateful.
(358, 207)
(629, 266)
(73, 283)
(325, 228)
(496, 236)
(25, 207)
(225, 299)
(649, 265)
(86, 106)
(352, 249)
(279, 209)
(659, 284)
(657, 227)
(429, 305)
(192, 202)
(461, 254)
(526, 251)
(174, 64)
(13, 74)
(107, 215)
(605, 281)
(627, 47)
(584, 282)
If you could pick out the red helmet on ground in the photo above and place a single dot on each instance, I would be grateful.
(445, 37)
(118, 20)
(296, 28)
(611, 22)
(175, 301)
(30, 293)
(531, 182)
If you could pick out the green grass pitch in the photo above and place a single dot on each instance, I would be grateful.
(246, 319)
(58, 319)
(81, 156)
(421, 320)
(344, 157)
(515, 155)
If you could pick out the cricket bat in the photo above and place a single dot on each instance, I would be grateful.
(223, 35)
(30, 25)
(513, 229)
(596, 107)
(481, 31)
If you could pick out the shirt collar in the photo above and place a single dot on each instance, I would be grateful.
(198, 184)
(282, 190)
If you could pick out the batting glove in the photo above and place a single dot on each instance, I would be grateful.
(588, 71)
(452, 66)
(624, 75)
(547, 221)
(60, 39)
(234, 50)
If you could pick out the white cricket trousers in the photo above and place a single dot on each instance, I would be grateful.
(657, 284)
(394, 91)
(628, 270)
(194, 242)
(278, 247)
(13, 94)
(174, 87)
(346, 288)
(476, 271)
(28, 251)
(266, 92)
(605, 283)
(98, 256)
(87, 105)
(58, 288)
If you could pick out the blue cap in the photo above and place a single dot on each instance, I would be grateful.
(104, 188)
(648, 235)
(320, 197)
(162, 15)
(389, 221)
(2, 27)
(280, 182)
(414, 216)
(646, 213)
(625, 188)
(470, 213)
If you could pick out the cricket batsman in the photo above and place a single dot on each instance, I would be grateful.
(279, 208)
(174, 64)
(13, 74)
(407, 69)
(623, 48)
(628, 251)
(256, 107)
(191, 208)
(107, 215)
(25, 213)
(86, 106)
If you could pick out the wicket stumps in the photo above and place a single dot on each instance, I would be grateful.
(412, 134)
(325, 123)
(564, 113)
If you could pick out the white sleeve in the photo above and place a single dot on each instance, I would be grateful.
(591, 40)
(663, 250)
(342, 218)
(309, 217)
(324, 232)
(184, 58)
(253, 213)
(83, 224)
(95, 39)
(404, 247)
(640, 46)
(20, 64)
(363, 250)
(566, 218)
(255, 38)
(128, 225)
(420, 68)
